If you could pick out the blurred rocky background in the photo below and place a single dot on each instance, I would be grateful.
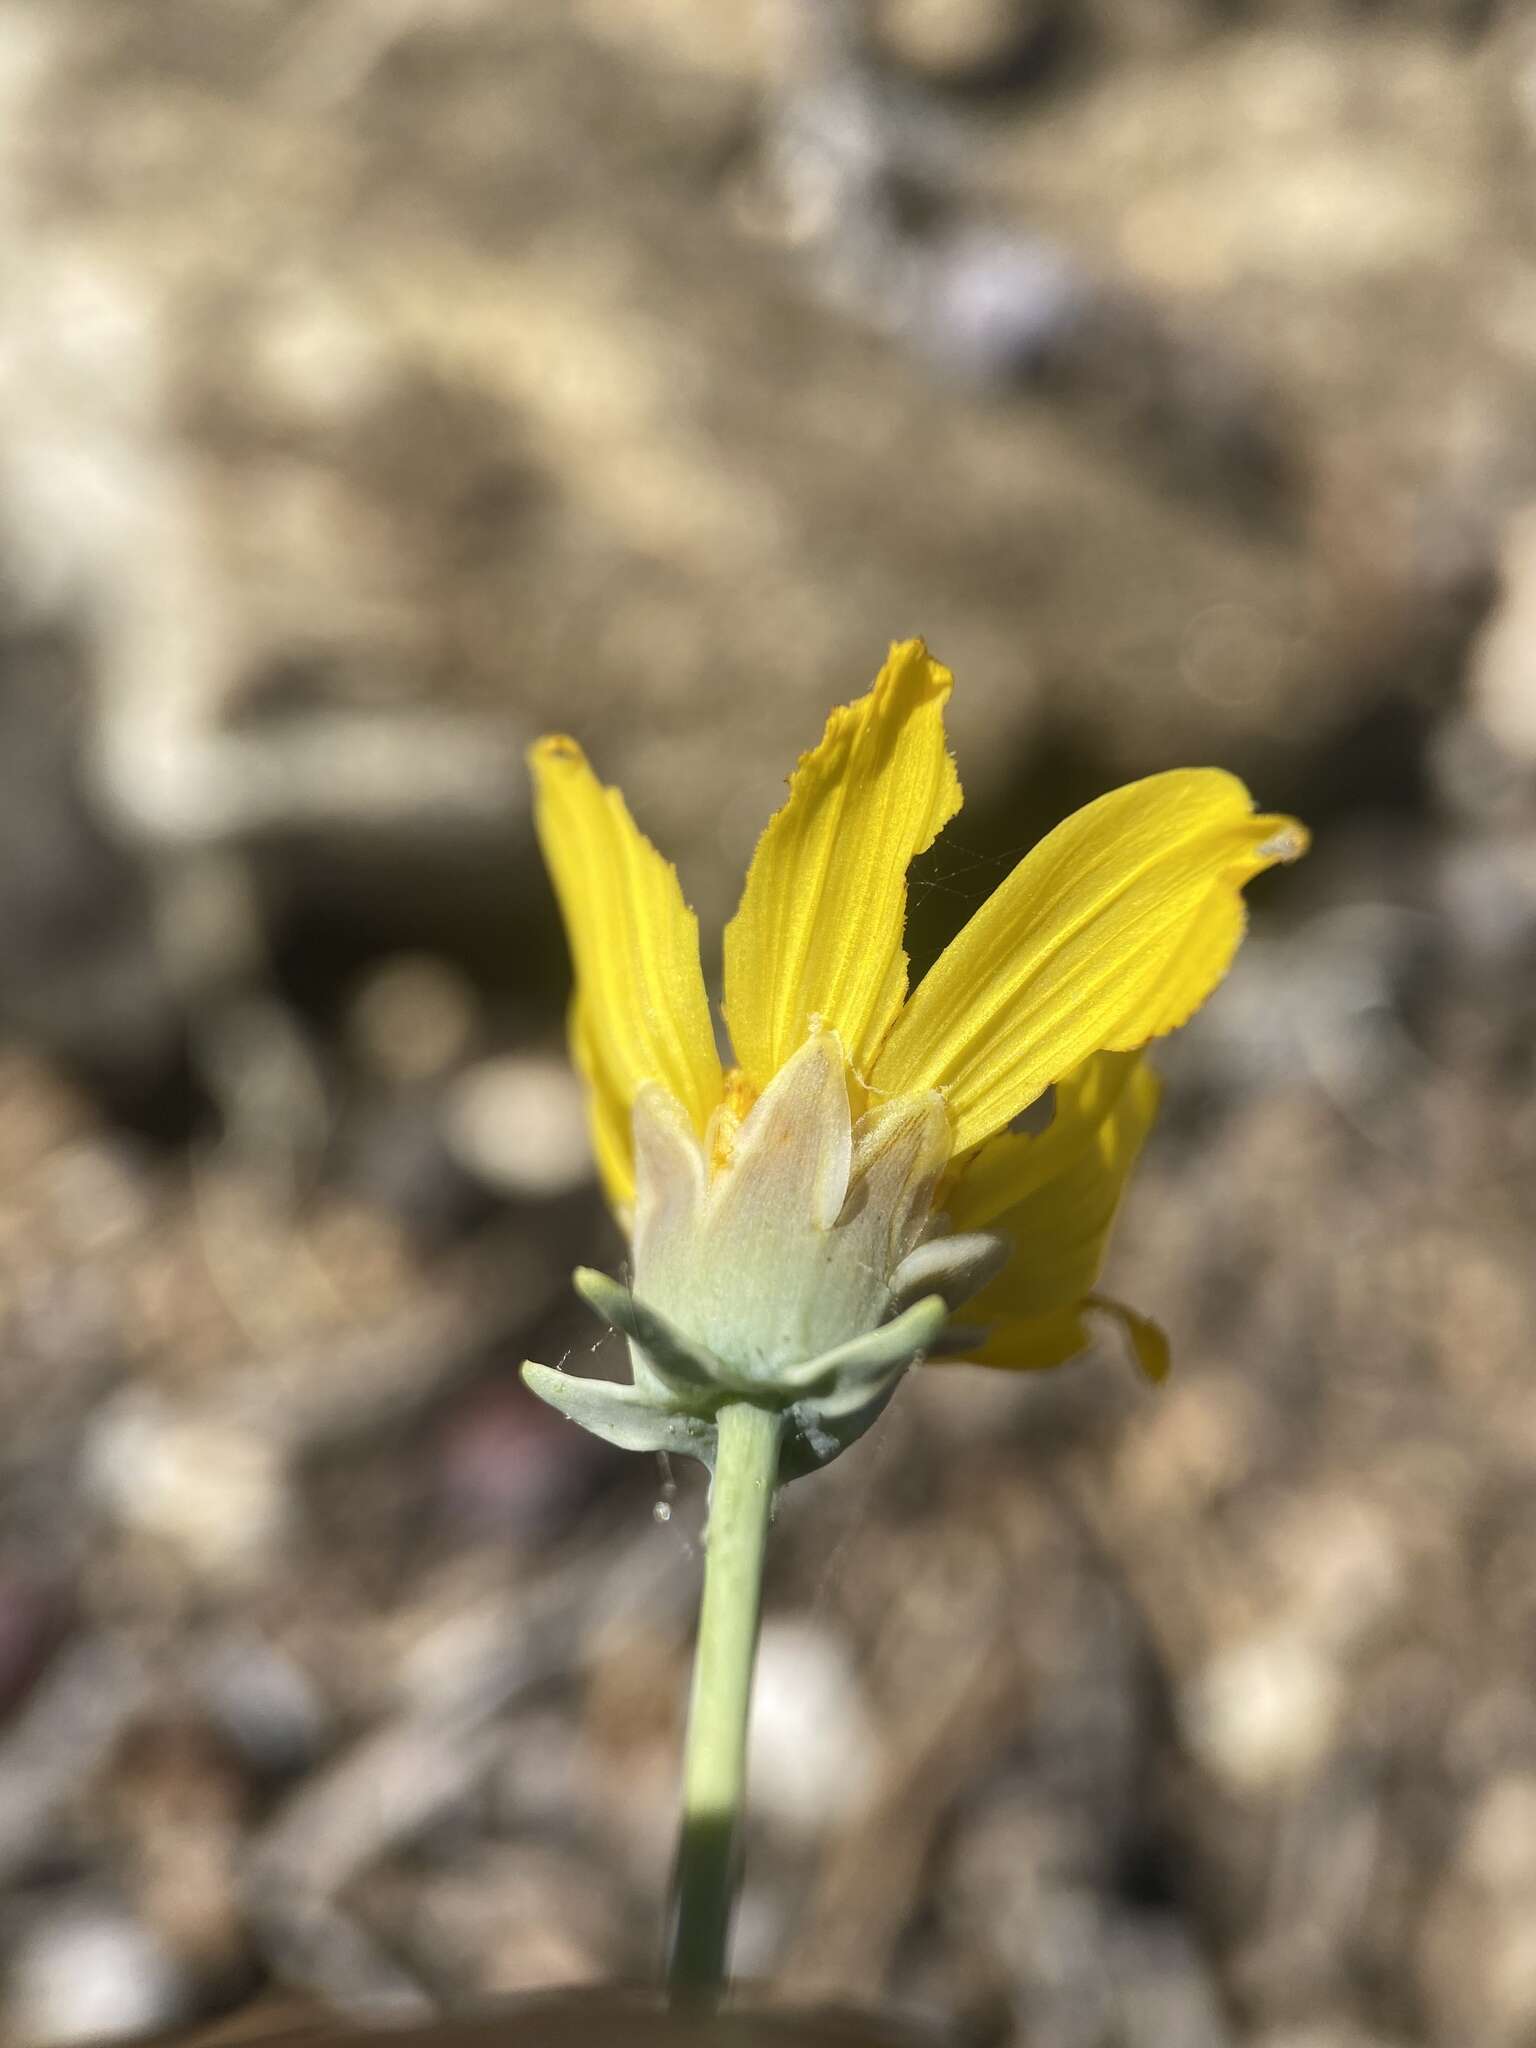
(385, 381)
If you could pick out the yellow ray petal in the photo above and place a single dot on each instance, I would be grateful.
(1035, 1344)
(1067, 1184)
(1148, 1340)
(1012, 1166)
(818, 934)
(1113, 930)
(608, 1113)
(1027, 1343)
(641, 1013)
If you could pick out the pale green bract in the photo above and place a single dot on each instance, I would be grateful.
(808, 1273)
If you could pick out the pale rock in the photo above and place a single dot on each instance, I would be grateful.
(812, 1749)
(86, 1971)
(519, 1123)
(1262, 1713)
(413, 1018)
(211, 1489)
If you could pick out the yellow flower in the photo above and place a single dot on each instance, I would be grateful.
(857, 1163)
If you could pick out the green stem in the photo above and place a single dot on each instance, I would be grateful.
(715, 1754)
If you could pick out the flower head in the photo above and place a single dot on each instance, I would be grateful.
(851, 1195)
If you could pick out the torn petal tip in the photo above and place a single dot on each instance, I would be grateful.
(1148, 1340)
(1289, 843)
